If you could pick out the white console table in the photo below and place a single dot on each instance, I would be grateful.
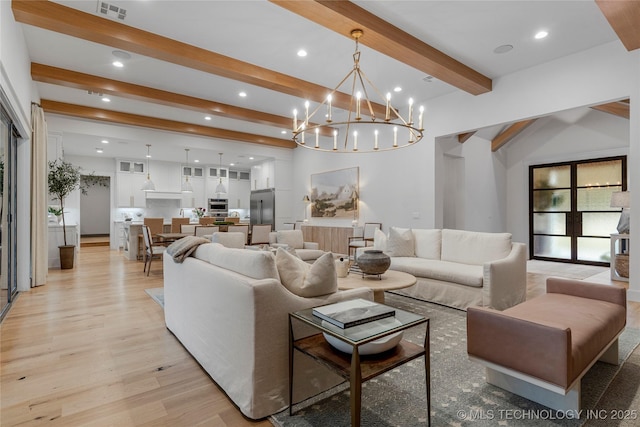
(56, 238)
(619, 245)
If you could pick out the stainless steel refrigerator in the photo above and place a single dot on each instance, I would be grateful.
(263, 207)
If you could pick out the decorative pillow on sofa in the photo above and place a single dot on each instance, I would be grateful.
(428, 243)
(293, 238)
(400, 242)
(307, 280)
(379, 240)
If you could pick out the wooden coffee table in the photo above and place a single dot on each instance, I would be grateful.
(389, 281)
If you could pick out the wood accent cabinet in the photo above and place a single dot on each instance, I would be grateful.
(334, 239)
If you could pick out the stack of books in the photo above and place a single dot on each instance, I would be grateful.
(347, 314)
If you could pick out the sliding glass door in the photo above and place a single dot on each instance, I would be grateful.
(570, 218)
(8, 145)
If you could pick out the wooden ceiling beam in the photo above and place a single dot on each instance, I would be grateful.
(65, 20)
(73, 79)
(509, 133)
(344, 16)
(90, 113)
(624, 18)
(619, 108)
(463, 137)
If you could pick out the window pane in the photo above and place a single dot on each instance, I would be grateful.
(551, 200)
(596, 199)
(599, 173)
(593, 249)
(550, 223)
(599, 223)
(552, 247)
(552, 177)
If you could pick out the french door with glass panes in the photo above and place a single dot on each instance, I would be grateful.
(570, 217)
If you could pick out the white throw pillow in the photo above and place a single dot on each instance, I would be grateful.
(307, 280)
(293, 238)
(401, 242)
(379, 240)
(427, 243)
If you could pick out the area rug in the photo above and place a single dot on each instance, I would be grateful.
(459, 394)
(157, 294)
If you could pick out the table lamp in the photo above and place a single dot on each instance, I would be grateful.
(621, 199)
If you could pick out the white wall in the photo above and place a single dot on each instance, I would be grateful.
(16, 93)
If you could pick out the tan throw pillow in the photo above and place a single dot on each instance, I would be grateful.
(293, 238)
(400, 242)
(307, 280)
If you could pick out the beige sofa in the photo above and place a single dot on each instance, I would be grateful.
(229, 309)
(458, 268)
(541, 349)
(307, 251)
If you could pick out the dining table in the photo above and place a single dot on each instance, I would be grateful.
(166, 238)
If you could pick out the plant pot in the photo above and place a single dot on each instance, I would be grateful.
(373, 262)
(67, 255)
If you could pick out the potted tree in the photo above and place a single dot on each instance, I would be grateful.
(63, 179)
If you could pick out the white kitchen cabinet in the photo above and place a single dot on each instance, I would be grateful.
(263, 175)
(129, 190)
(166, 176)
(239, 190)
(197, 199)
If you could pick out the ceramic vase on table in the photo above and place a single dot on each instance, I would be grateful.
(374, 262)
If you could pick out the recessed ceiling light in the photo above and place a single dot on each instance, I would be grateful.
(196, 161)
(302, 53)
(242, 94)
(232, 164)
(397, 89)
(284, 132)
(99, 150)
(207, 117)
(105, 99)
(104, 141)
(117, 64)
(541, 34)
(121, 54)
(503, 49)
(250, 158)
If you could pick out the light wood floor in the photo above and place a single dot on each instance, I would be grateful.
(90, 348)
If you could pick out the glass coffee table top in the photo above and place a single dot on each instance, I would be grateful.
(366, 332)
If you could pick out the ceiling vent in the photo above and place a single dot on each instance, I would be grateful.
(111, 10)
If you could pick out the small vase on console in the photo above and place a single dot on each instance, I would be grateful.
(374, 262)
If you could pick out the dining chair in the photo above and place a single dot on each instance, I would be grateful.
(298, 225)
(206, 220)
(156, 225)
(150, 250)
(260, 234)
(364, 238)
(206, 230)
(241, 228)
(188, 228)
(287, 226)
(176, 222)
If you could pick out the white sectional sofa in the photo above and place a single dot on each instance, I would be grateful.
(229, 309)
(458, 268)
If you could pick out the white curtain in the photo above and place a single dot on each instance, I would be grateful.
(39, 191)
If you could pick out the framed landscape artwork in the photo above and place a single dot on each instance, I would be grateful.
(335, 194)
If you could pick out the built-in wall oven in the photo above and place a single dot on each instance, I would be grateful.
(219, 208)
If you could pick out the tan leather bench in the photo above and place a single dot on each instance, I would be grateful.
(541, 348)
